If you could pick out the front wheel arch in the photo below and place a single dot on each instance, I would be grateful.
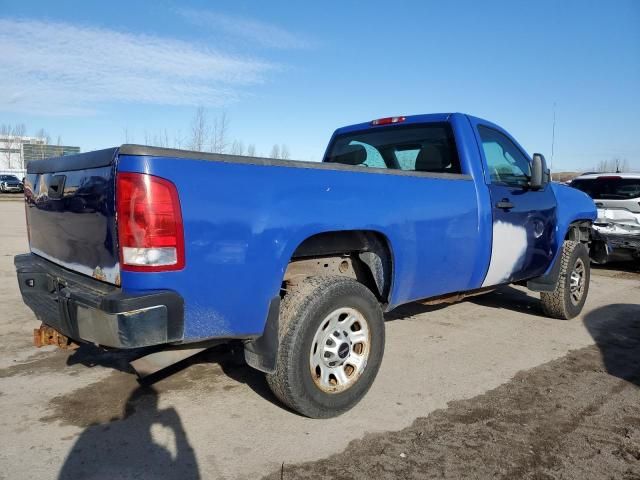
(579, 231)
(567, 298)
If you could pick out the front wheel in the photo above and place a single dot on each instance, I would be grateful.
(331, 346)
(570, 293)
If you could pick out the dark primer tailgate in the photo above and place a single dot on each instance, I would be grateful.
(70, 209)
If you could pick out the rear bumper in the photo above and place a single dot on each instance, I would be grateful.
(89, 310)
(629, 242)
(620, 246)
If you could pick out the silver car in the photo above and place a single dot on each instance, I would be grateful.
(617, 197)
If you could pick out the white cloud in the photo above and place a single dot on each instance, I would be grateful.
(59, 68)
(262, 33)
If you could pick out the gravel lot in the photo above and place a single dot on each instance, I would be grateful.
(483, 388)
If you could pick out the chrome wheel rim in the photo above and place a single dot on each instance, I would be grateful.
(340, 350)
(577, 281)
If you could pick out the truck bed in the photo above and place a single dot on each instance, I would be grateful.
(243, 219)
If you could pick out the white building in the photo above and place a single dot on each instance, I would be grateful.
(16, 151)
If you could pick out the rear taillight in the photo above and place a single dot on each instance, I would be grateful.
(150, 231)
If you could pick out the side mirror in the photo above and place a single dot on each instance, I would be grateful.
(539, 172)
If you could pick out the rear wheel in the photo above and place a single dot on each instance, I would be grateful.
(331, 346)
(570, 293)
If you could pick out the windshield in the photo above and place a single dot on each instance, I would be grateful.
(9, 178)
(424, 148)
(609, 188)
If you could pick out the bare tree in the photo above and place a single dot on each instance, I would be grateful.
(161, 139)
(199, 130)
(622, 165)
(178, 140)
(43, 140)
(20, 131)
(128, 138)
(251, 150)
(9, 140)
(284, 152)
(615, 164)
(44, 136)
(219, 133)
(275, 151)
(237, 147)
(59, 141)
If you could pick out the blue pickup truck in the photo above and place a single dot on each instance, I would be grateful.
(140, 246)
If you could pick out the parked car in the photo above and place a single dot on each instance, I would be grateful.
(617, 197)
(298, 260)
(10, 183)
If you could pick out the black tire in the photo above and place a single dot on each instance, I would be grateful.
(562, 302)
(304, 308)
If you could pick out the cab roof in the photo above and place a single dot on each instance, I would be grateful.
(413, 119)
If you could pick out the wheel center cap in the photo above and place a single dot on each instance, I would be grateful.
(343, 350)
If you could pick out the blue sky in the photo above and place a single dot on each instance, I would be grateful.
(293, 72)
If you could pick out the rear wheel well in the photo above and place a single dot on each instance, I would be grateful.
(364, 255)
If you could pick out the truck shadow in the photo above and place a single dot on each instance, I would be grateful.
(147, 442)
(91, 356)
(412, 309)
(616, 331)
(621, 267)
(505, 297)
(509, 298)
(230, 358)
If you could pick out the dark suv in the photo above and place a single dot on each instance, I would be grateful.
(10, 183)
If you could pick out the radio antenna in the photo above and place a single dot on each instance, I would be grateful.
(553, 134)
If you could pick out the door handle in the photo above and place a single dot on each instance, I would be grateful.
(504, 204)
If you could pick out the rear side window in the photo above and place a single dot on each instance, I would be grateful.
(507, 164)
(421, 148)
(609, 187)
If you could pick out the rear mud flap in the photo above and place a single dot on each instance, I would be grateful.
(262, 353)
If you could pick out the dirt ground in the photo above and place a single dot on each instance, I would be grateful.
(573, 418)
(488, 387)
